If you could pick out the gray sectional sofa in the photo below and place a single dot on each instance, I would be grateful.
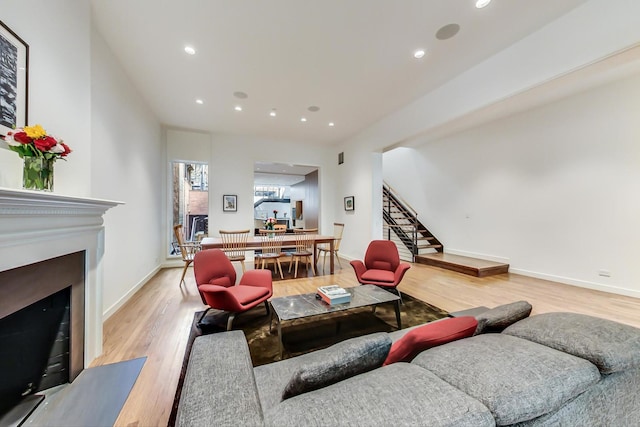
(555, 369)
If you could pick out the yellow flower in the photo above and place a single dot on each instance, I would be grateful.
(35, 132)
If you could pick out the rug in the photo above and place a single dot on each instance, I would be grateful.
(303, 336)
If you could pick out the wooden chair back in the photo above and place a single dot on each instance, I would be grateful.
(187, 249)
(234, 243)
(338, 230)
(271, 241)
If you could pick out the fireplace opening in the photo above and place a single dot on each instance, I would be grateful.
(34, 348)
(42, 318)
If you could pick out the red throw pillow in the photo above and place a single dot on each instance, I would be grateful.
(430, 335)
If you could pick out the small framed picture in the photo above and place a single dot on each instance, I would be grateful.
(229, 203)
(14, 74)
(349, 203)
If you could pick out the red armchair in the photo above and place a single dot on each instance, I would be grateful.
(381, 266)
(216, 280)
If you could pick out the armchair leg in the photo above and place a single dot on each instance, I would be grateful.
(202, 317)
(230, 321)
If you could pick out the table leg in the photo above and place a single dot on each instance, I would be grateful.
(397, 303)
(331, 252)
(280, 337)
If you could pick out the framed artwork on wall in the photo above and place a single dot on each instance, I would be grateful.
(229, 203)
(14, 73)
(349, 203)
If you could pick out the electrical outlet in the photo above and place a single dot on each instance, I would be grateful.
(604, 273)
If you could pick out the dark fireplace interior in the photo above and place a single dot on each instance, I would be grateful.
(41, 327)
(35, 348)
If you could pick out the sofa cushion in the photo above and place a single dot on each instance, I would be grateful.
(609, 345)
(430, 335)
(498, 318)
(396, 395)
(338, 362)
(518, 380)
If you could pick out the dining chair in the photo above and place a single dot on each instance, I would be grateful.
(234, 245)
(271, 249)
(325, 248)
(188, 250)
(280, 227)
(304, 249)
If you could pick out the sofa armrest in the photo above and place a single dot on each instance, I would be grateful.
(219, 386)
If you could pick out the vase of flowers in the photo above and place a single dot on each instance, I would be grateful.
(269, 223)
(275, 213)
(39, 152)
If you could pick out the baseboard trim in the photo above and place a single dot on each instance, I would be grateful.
(578, 283)
(111, 310)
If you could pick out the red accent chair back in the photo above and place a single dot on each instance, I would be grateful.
(381, 266)
(216, 280)
(382, 255)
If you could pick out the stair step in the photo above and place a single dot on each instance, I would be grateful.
(429, 246)
(461, 264)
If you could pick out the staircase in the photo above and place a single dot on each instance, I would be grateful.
(402, 226)
(417, 244)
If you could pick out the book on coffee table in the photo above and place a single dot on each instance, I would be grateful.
(334, 294)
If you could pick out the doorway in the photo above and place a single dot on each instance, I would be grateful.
(289, 190)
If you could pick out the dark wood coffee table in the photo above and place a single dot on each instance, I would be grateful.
(295, 307)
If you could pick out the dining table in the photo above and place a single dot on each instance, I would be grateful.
(289, 240)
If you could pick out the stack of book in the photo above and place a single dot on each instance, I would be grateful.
(333, 294)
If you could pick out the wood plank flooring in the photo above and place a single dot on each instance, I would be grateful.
(155, 322)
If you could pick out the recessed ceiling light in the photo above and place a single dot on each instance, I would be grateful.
(482, 3)
(418, 54)
(313, 108)
(190, 50)
(238, 108)
(199, 101)
(331, 124)
(303, 119)
(273, 113)
(240, 95)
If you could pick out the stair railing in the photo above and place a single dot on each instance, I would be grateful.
(407, 231)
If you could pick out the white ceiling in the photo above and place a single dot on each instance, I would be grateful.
(351, 58)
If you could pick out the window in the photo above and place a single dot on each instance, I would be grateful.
(189, 202)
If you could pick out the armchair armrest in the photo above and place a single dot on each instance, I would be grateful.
(399, 273)
(219, 297)
(259, 278)
(359, 268)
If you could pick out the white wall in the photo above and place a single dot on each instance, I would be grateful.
(554, 190)
(588, 34)
(233, 159)
(126, 165)
(58, 35)
(78, 93)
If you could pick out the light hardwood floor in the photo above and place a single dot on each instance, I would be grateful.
(155, 322)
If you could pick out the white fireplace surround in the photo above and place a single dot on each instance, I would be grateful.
(36, 226)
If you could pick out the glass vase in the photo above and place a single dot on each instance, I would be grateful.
(37, 174)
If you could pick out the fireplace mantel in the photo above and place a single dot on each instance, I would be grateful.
(36, 226)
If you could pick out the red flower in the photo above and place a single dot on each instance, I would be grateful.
(21, 137)
(67, 150)
(45, 144)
